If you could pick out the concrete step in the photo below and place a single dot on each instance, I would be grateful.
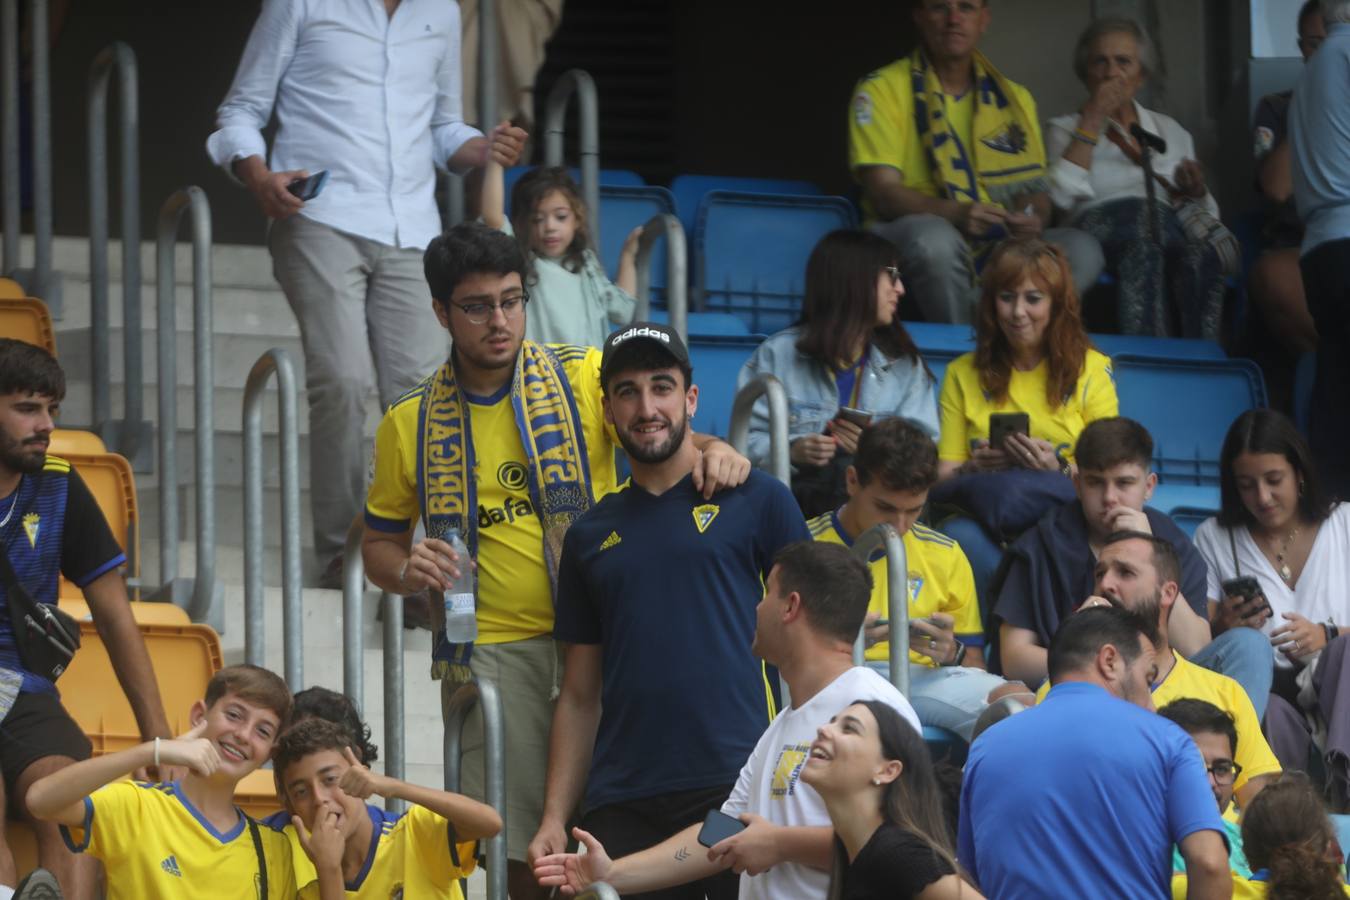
(238, 265)
(229, 305)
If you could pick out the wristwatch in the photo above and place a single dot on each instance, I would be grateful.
(958, 657)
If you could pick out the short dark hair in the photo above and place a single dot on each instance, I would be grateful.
(1267, 431)
(1201, 716)
(28, 369)
(1165, 560)
(322, 703)
(1306, 10)
(1082, 635)
(469, 248)
(835, 586)
(643, 356)
(1107, 443)
(899, 454)
(257, 685)
(303, 739)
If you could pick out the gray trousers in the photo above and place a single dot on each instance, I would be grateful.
(938, 272)
(366, 323)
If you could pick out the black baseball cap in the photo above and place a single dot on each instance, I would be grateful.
(663, 336)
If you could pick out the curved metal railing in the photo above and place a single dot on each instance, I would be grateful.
(677, 272)
(738, 434)
(579, 82)
(897, 599)
(483, 692)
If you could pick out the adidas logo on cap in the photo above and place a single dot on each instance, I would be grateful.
(641, 331)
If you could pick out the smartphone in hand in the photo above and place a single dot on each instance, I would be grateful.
(1001, 425)
(1249, 589)
(308, 188)
(717, 827)
(856, 416)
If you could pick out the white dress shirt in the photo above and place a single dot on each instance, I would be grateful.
(1114, 176)
(372, 98)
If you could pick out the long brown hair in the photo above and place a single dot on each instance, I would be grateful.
(1285, 830)
(528, 192)
(1065, 342)
(839, 309)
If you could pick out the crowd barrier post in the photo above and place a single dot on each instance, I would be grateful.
(487, 66)
(196, 595)
(884, 536)
(579, 82)
(598, 891)
(677, 272)
(288, 428)
(394, 738)
(131, 436)
(353, 592)
(739, 432)
(483, 692)
(40, 281)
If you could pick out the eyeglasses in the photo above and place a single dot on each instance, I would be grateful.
(1225, 771)
(481, 313)
(894, 272)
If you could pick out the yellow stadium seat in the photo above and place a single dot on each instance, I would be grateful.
(66, 441)
(184, 658)
(10, 288)
(145, 612)
(26, 319)
(113, 485)
(256, 794)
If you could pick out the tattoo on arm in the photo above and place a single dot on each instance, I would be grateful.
(682, 854)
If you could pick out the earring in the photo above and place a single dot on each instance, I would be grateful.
(1300, 487)
(877, 782)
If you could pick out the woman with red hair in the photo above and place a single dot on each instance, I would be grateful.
(1032, 355)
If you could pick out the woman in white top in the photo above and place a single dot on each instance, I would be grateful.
(1277, 526)
(1096, 181)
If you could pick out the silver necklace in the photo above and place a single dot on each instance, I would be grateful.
(13, 503)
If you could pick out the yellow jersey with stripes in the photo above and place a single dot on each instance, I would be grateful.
(515, 599)
(940, 580)
(154, 843)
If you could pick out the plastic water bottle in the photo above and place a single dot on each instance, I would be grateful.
(461, 617)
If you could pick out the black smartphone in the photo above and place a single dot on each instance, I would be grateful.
(308, 188)
(915, 629)
(1248, 588)
(1003, 424)
(856, 416)
(717, 827)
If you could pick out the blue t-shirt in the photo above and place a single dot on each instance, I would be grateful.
(55, 527)
(1081, 796)
(669, 586)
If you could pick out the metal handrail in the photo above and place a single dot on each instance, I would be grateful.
(199, 600)
(738, 434)
(288, 428)
(353, 592)
(598, 891)
(130, 437)
(677, 273)
(487, 64)
(40, 281)
(483, 692)
(579, 82)
(897, 598)
(394, 736)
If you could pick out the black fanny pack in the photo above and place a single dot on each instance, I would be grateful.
(46, 637)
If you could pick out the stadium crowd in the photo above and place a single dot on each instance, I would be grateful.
(675, 648)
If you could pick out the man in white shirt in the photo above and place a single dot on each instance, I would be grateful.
(369, 93)
(813, 606)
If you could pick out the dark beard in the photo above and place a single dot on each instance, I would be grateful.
(16, 459)
(661, 452)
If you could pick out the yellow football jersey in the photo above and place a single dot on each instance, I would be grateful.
(940, 580)
(154, 843)
(965, 407)
(515, 598)
(412, 855)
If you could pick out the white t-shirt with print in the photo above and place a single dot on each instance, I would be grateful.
(1323, 588)
(769, 784)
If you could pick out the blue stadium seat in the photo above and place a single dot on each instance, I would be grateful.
(944, 745)
(751, 251)
(1187, 405)
(1164, 347)
(689, 191)
(717, 362)
(938, 336)
(1189, 519)
(614, 177)
(708, 324)
(937, 361)
(623, 208)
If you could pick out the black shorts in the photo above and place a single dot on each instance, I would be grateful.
(37, 726)
(628, 827)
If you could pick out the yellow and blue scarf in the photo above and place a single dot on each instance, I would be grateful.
(556, 464)
(1007, 158)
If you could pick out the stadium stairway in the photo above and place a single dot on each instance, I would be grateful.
(250, 316)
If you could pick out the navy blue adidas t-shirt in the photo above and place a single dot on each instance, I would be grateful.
(669, 586)
(55, 526)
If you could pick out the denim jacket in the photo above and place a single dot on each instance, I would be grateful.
(890, 388)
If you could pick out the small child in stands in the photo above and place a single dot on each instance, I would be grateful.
(185, 838)
(424, 851)
(573, 301)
